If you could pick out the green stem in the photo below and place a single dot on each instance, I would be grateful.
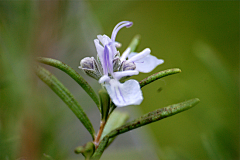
(72, 73)
(99, 134)
(98, 153)
(66, 96)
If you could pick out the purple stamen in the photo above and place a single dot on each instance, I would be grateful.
(118, 27)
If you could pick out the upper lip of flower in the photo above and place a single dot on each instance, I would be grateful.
(108, 51)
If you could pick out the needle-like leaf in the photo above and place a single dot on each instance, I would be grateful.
(145, 119)
(66, 96)
(155, 116)
(72, 73)
(158, 75)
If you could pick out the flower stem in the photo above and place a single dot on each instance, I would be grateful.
(99, 134)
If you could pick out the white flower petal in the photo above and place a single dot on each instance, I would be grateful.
(124, 94)
(146, 64)
(100, 49)
(125, 54)
(119, 75)
(103, 79)
(140, 55)
(104, 39)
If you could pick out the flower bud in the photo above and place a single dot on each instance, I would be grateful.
(87, 63)
(89, 66)
(128, 65)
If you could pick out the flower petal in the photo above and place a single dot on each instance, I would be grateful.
(140, 55)
(146, 64)
(99, 49)
(124, 94)
(119, 75)
(103, 79)
(125, 54)
(104, 39)
(108, 60)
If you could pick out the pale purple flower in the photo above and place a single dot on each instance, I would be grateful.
(114, 68)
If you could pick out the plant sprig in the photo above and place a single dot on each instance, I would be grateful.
(112, 123)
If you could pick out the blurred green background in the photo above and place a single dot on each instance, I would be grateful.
(201, 38)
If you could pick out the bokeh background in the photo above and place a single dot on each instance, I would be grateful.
(199, 37)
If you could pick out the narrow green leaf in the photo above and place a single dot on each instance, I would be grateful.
(158, 75)
(116, 119)
(143, 120)
(72, 73)
(66, 96)
(134, 43)
(155, 116)
(104, 103)
(112, 108)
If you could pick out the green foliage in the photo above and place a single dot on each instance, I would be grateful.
(134, 43)
(116, 119)
(144, 120)
(104, 103)
(72, 73)
(66, 96)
